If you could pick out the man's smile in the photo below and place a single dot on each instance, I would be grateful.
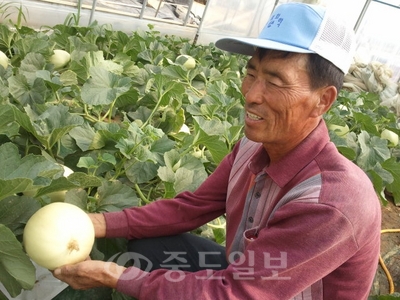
(254, 117)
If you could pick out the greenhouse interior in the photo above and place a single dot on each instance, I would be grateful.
(122, 85)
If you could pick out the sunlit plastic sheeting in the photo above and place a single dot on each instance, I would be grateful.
(234, 18)
(248, 17)
(377, 37)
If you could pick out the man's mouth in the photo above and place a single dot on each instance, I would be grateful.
(253, 117)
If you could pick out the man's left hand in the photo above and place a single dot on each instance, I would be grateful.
(90, 274)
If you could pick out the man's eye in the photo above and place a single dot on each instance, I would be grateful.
(275, 82)
(250, 75)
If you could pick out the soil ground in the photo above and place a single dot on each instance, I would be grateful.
(390, 252)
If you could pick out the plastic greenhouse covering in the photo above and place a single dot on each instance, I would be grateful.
(206, 21)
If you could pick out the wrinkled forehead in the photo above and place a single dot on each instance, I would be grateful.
(290, 67)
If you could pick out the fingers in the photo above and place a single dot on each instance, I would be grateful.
(76, 276)
(90, 274)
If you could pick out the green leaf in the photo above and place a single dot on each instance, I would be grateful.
(86, 162)
(84, 136)
(16, 270)
(217, 148)
(108, 158)
(172, 159)
(166, 174)
(188, 179)
(140, 172)
(180, 73)
(166, 90)
(373, 150)
(393, 166)
(380, 178)
(160, 146)
(115, 196)
(12, 186)
(59, 184)
(185, 173)
(53, 83)
(367, 122)
(78, 197)
(51, 126)
(6, 36)
(68, 78)
(212, 127)
(104, 87)
(33, 44)
(83, 58)
(15, 211)
(6, 118)
(138, 75)
(27, 93)
(31, 64)
(2, 296)
(19, 174)
(189, 162)
(84, 180)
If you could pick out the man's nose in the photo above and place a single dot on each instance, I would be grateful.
(254, 92)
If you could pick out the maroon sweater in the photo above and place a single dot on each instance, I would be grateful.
(307, 227)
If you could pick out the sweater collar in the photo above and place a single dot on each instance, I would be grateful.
(284, 170)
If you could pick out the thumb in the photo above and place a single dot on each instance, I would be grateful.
(56, 272)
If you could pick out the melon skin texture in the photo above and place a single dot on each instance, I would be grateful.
(187, 61)
(3, 60)
(58, 234)
(391, 136)
(341, 131)
(60, 58)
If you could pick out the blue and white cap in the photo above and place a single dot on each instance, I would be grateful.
(302, 28)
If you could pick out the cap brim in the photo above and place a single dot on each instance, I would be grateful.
(247, 46)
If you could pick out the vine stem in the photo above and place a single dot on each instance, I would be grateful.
(189, 149)
(109, 112)
(151, 114)
(142, 197)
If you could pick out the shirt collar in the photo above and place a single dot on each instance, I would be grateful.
(284, 170)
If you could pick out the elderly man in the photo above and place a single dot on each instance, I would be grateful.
(303, 222)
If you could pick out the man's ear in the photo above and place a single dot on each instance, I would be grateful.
(327, 95)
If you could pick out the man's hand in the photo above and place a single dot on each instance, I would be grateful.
(90, 274)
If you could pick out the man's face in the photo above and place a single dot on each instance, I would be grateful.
(279, 103)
